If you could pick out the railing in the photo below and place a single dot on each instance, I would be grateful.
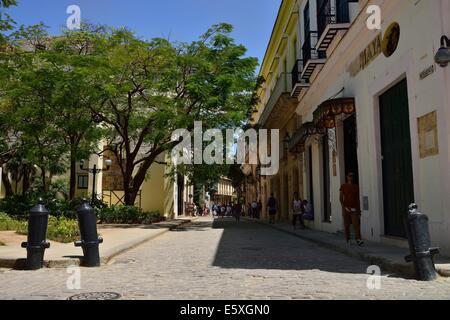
(329, 14)
(115, 198)
(308, 50)
(282, 86)
(296, 72)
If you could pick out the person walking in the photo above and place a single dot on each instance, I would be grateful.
(297, 206)
(254, 209)
(260, 207)
(272, 208)
(351, 210)
(230, 210)
(237, 211)
(223, 210)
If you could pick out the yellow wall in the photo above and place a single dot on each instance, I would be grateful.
(153, 195)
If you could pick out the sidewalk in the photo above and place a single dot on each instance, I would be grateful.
(117, 239)
(389, 258)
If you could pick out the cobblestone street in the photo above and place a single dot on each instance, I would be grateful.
(223, 260)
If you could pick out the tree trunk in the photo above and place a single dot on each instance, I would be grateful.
(26, 179)
(7, 184)
(44, 181)
(73, 176)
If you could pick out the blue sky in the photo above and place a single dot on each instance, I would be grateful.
(182, 20)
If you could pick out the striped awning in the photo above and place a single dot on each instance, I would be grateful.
(325, 115)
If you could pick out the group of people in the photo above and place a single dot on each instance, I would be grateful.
(199, 211)
(302, 210)
(228, 210)
(254, 209)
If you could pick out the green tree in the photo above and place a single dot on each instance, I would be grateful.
(50, 101)
(153, 87)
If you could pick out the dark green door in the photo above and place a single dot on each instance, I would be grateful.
(398, 184)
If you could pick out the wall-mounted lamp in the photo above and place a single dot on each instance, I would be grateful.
(443, 55)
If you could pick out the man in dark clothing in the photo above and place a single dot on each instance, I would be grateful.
(272, 208)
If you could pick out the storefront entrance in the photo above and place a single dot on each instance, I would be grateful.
(351, 147)
(398, 184)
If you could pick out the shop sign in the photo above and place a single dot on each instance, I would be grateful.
(370, 53)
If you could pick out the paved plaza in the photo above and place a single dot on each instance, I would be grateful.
(223, 260)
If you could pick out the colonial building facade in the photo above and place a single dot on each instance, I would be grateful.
(349, 98)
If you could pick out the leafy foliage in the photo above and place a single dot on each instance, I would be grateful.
(59, 229)
(127, 215)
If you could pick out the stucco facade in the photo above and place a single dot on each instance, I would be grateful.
(318, 170)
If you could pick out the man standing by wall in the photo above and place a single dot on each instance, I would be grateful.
(351, 209)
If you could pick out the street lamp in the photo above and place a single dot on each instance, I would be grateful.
(443, 55)
(95, 171)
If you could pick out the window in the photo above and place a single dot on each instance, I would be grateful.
(83, 181)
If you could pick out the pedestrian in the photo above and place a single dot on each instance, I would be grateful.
(223, 210)
(272, 208)
(229, 209)
(254, 209)
(351, 209)
(260, 207)
(249, 210)
(237, 211)
(214, 209)
(297, 214)
(308, 212)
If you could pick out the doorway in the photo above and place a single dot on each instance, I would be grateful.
(351, 147)
(398, 182)
(326, 179)
(286, 196)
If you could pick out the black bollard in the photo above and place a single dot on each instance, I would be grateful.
(422, 254)
(37, 231)
(87, 221)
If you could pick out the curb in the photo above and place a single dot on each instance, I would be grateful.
(19, 264)
(401, 269)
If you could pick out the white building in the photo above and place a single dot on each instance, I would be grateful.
(381, 106)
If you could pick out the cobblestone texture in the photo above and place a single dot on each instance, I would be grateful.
(223, 261)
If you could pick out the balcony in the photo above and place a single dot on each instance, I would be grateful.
(332, 16)
(299, 85)
(312, 57)
(280, 103)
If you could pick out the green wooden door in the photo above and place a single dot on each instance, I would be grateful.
(398, 184)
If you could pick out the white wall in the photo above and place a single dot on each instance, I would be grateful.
(421, 29)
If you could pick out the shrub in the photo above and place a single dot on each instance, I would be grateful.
(127, 215)
(59, 229)
(19, 205)
(62, 229)
(9, 224)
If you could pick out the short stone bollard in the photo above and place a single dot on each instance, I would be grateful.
(87, 221)
(37, 231)
(422, 254)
